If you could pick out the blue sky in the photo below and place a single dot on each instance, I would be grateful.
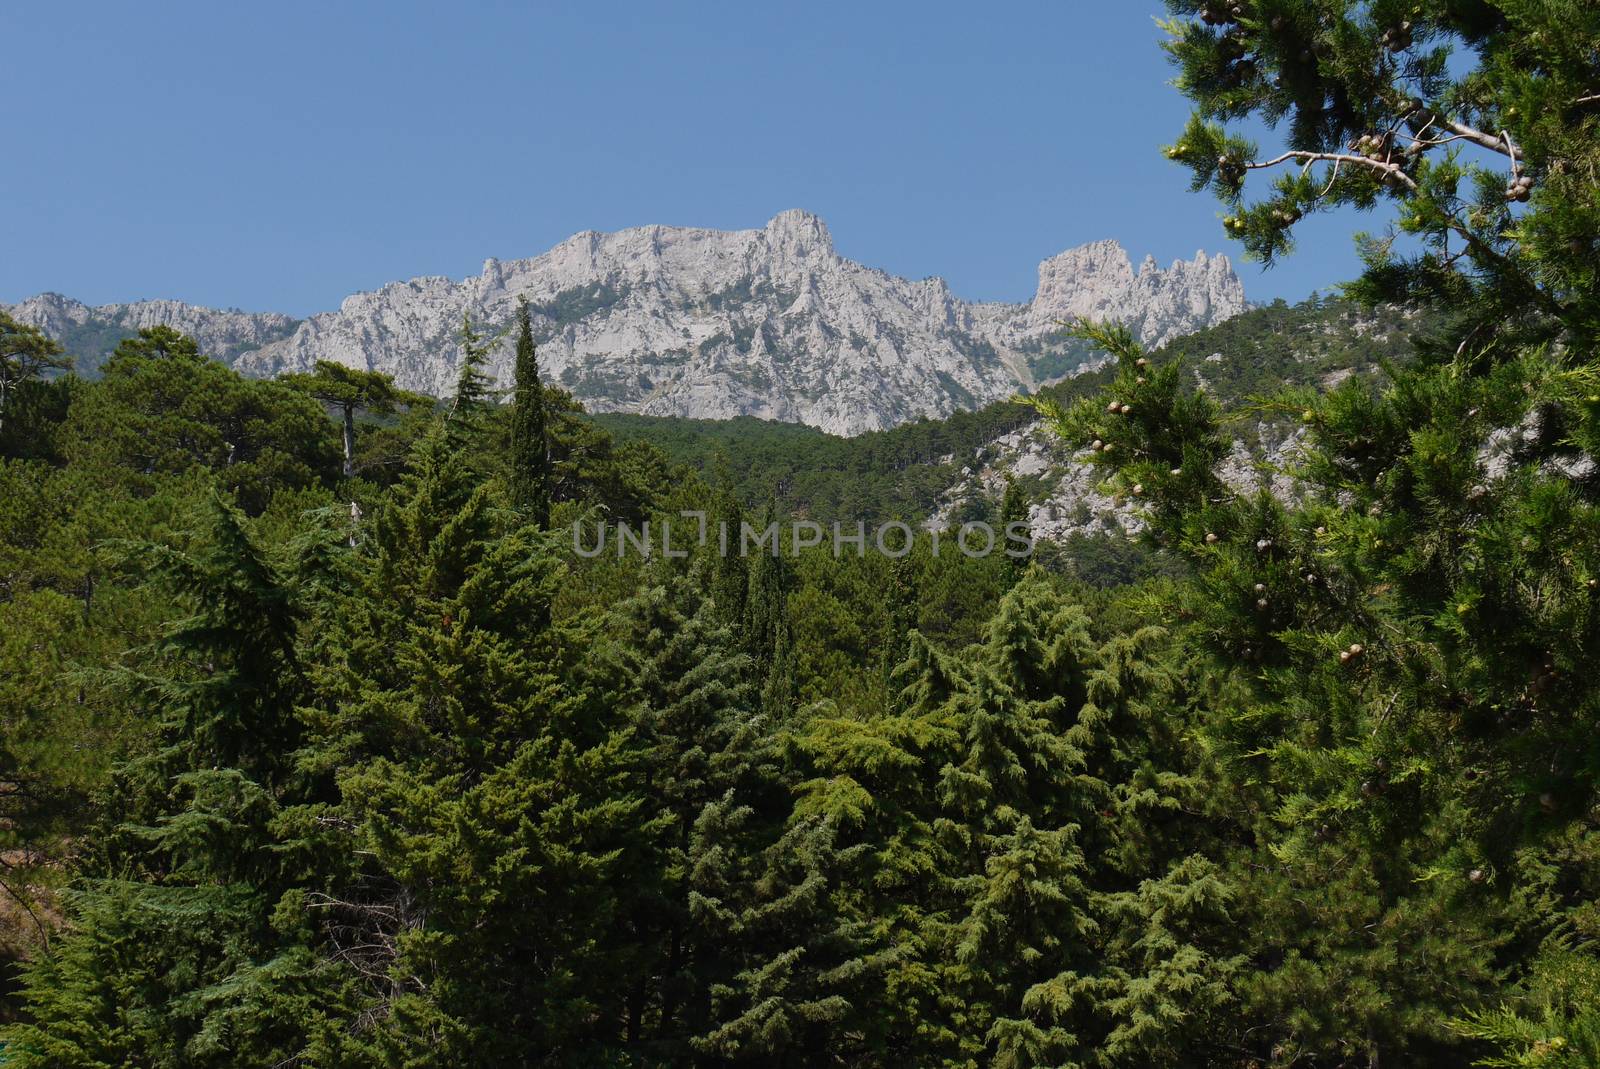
(279, 156)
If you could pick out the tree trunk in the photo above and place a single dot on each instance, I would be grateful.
(349, 440)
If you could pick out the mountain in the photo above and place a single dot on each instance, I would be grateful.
(771, 323)
(91, 333)
(939, 472)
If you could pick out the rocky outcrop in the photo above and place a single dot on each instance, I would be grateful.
(91, 333)
(770, 322)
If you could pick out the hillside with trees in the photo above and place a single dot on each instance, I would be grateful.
(322, 743)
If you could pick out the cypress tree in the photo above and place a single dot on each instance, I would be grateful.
(766, 619)
(530, 445)
(1013, 510)
(730, 582)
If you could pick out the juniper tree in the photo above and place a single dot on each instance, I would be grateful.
(811, 970)
(488, 790)
(711, 770)
(874, 779)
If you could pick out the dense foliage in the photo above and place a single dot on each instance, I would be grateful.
(324, 746)
(903, 473)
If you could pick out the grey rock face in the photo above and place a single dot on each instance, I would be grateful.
(769, 322)
(91, 333)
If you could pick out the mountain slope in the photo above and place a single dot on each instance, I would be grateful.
(771, 323)
(89, 334)
(956, 469)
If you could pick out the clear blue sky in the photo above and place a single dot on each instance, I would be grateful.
(279, 156)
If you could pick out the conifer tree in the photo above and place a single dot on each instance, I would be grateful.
(766, 618)
(812, 968)
(185, 948)
(351, 391)
(1416, 695)
(470, 406)
(530, 444)
(1477, 121)
(25, 353)
(711, 768)
(488, 789)
(1013, 511)
(730, 583)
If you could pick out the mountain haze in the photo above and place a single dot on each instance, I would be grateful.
(678, 321)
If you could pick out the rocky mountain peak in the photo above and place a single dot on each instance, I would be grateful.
(1071, 282)
(769, 322)
(798, 234)
(1097, 281)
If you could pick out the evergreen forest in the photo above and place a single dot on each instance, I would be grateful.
(320, 746)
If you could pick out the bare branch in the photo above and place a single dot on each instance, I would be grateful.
(1478, 137)
(1511, 150)
(1390, 169)
(27, 907)
(1332, 178)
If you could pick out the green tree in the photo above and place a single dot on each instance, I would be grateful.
(161, 409)
(350, 391)
(184, 949)
(470, 407)
(712, 771)
(730, 584)
(486, 788)
(1477, 121)
(530, 434)
(1411, 621)
(25, 354)
(766, 612)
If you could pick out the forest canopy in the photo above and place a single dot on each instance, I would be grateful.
(319, 745)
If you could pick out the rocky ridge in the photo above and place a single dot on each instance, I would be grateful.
(677, 321)
(90, 333)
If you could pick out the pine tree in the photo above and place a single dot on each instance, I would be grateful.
(470, 406)
(1396, 678)
(351, 391)
(161, 409)
(530, 445)
(25, 354)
